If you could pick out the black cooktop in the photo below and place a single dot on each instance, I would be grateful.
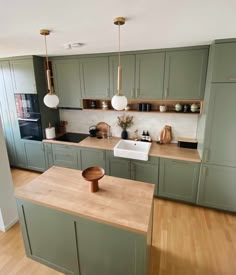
(72, 137)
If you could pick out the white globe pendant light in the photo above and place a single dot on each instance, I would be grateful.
(119, 101)
(51, 100)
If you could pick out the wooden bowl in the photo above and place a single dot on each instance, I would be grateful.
(93, 174)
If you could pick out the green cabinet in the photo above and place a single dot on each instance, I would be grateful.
(67, 82)
(224, 63)
(128, 75)
(118, 167)
(146, 171)
(65, 156)
(185, 74)
(217, 187)
(92, 157)
(220, 130)
(48, 155)
(49, 236)
(34, 152)
(6, 115)
(23, 76)
(119, 251)
(95, 77)
(149, 75)
(178, 179)
(75, 245)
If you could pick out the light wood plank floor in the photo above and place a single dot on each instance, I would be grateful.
(187, 240)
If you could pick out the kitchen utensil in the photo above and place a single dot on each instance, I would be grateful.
(102, 129)
(93, 174)
(92, 131)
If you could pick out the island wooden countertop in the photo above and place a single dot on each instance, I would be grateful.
(119, 202)
(171, 151)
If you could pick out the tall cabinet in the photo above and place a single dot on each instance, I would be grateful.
(217, 184)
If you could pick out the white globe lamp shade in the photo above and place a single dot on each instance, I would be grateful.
(119, 102)
(51, 100)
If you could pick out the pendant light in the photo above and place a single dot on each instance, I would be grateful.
(119, 101)
(50, 100)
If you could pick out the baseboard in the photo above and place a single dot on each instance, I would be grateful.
(9, 225)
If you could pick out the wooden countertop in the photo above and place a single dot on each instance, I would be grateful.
(171, 151)
(119, 202)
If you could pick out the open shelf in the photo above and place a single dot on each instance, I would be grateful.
(144, 106)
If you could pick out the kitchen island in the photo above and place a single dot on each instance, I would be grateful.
(70, 229)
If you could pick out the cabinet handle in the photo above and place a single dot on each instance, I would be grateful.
(232, 78)
(206, 155)
(180, 162)
(104, 155)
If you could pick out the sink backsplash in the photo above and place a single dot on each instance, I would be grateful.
(183, 125)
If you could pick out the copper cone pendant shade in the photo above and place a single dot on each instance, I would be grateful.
(119, 101)
(50, 100)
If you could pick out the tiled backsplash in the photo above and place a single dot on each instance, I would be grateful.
(183, 125)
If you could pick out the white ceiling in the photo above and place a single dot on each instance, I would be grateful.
(151, 24)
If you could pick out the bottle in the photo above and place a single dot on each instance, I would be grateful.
(147, 138)
(143, 138)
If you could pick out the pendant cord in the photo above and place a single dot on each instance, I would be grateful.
(45, 41)
(119, 42)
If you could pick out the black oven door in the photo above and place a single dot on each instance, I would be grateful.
(30, 128)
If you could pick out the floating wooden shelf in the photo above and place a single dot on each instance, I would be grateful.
(134, 105)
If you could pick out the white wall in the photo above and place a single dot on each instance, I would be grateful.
(183, 125)
(8, 211)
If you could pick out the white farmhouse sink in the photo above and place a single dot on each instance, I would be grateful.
(132, 149)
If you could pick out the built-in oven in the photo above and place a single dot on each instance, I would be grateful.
(28, 116)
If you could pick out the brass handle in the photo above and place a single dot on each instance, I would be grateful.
(232, 78)
(166, 92)
(204, 172)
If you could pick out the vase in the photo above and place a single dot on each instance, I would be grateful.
(124, 134)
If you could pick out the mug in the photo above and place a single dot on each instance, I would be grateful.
(162, 108)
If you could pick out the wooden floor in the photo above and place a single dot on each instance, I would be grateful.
(187, 240)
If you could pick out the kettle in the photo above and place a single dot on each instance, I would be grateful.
(92, 131)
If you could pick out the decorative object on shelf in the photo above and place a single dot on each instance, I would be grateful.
(125, 121)
(93, 104)
(186, 108)
(51, 100)
(119, 101)
(178, 107)
(93, 174)
(104, 105)
(162, 108)
(166, 135)
(194, 108)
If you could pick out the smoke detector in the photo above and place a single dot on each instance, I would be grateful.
(70, 46)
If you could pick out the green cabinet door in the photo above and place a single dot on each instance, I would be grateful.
(48, 155)
(118, 167)
(185, 74)
(178, 179)
(92, 157)
(6, 115)
(49, 236)
(23, 76)
(224, 64)
(217, 187)
(128, 75)
(67, 82)
(65, 156)
(34, 152)
(95, 77)
(146, 171)
(149, 75)
(220, 126)
(106, 250)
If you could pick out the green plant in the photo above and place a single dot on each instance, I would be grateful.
(125, 121)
